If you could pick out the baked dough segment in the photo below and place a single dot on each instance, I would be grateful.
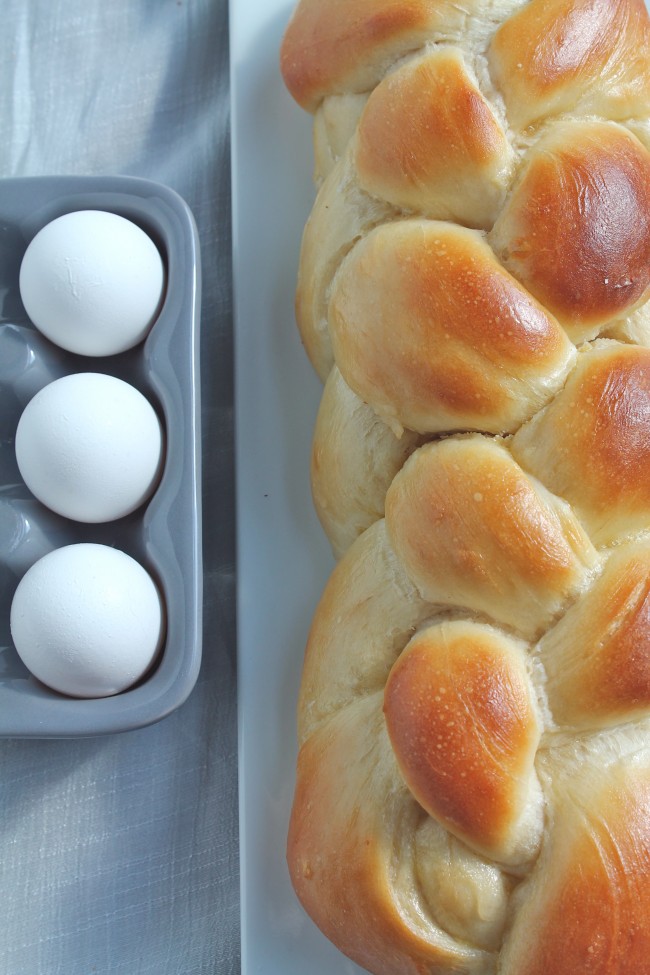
(354, 458)
(430, 330)
(366, 615)
(597, 658)
(587, 56)
(462, 719)
(343, 46)
(472, 530)
(576, 228)
(429, 141)
(342, 214)
(467, 895)
(591, 445)
(347, 45)
(335, 123)
(351, 851)
(586, 907)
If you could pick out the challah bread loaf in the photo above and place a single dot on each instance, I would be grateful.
(473, 786)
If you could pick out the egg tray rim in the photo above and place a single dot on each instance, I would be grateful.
(171, 523)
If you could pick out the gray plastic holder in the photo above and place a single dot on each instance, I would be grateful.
(165, 534)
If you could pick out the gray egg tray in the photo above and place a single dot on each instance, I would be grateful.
(165, 534)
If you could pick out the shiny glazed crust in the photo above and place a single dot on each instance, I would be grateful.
(473, 784)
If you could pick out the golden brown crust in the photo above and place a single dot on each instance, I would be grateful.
(473, 531)
(432, 332)
(429, 141)
(345, 46)
(339, 46)
(597, 660)
(555, 56)
(576, 230)
(463, 726)
(592, 444)
(589, 907)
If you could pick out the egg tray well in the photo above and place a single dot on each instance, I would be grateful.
(165, 534)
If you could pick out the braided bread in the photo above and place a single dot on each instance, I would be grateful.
(473, 784)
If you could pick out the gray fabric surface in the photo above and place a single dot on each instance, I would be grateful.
(119, 855)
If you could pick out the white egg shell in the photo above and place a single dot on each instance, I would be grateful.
(92, 282)
(87, 620)
(90, 447)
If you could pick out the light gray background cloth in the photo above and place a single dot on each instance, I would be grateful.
(118, 855)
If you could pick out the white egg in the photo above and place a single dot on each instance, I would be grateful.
(90, 447)
(87, 620)
(92, 282)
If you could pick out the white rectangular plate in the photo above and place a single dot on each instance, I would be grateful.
(283, 558)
